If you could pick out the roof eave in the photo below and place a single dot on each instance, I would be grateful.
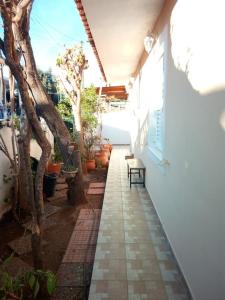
(89, 34)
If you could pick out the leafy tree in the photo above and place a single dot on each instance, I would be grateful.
(89, 107)
(50, 83)
(65, 108)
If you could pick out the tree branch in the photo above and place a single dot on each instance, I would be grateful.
(25, 3)
(20, 8)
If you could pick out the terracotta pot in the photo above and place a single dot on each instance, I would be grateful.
(90, 164)
(107, 147)
(101, 159)
(106, 152)
(54, 168)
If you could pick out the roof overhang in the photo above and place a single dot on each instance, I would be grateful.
(116, 30)
(113, 92)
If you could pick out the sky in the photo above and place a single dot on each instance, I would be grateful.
(54, 26)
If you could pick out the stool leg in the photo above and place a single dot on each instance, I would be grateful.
(130, 177)
(143, 177)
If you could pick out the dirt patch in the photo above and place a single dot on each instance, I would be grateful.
(59, 224)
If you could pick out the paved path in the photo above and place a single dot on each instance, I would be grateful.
(133, 259)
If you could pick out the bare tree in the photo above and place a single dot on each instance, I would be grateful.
(72, 63)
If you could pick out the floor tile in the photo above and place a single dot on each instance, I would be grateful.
(109, 269)
(95, 191)
(143, 269)
(133, 257)
(112, 224)
(140, 251)
(110, 236)
(110, 290)
(84, 237)
(132, 236)
(150, 290)
(97, 185)
(135, 224)
(110, 251)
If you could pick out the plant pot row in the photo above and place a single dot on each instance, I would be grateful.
(101, 159)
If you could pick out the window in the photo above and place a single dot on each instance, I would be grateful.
(156, 67)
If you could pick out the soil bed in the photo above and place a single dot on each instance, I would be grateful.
(58, 227)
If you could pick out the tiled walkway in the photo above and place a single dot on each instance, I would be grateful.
(133, 259)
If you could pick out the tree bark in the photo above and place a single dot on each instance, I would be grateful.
(48, 110)
(16, 32)
(9, 48)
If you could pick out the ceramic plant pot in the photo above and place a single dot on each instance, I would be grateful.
(54, 168)
(101, 159)
(90, 163)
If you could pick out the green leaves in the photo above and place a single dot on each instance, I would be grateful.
(51, 282)
(28, 286)
(89, 107)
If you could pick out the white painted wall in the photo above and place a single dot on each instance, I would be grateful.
(116, 127)
(4, 169)
(189, 194)
(4, 165)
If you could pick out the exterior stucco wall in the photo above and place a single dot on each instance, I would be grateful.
(116, 127)
(35, 151)
(189, 193)
(4, 169)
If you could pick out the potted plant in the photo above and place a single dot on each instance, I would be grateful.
(69, 171)
(54, 166)
(49, 183)
(107, 145)
(90, 141)
(74, 140)
(101, 158)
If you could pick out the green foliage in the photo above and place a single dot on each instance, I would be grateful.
(48, 80)
(69, 168)
(89, 107)
(56, 157)
(16, 122)
(64, 107)
(50, 83)
(31, 285)
(91, 139)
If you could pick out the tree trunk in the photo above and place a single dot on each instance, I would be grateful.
(2, 83)
(48, 110)
(14, 147)
(46, 149)
(26, 191)
(51, 115)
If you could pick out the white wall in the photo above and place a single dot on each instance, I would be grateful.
(4, 169)
(189, 194)
(116, 127)
(35, 151)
